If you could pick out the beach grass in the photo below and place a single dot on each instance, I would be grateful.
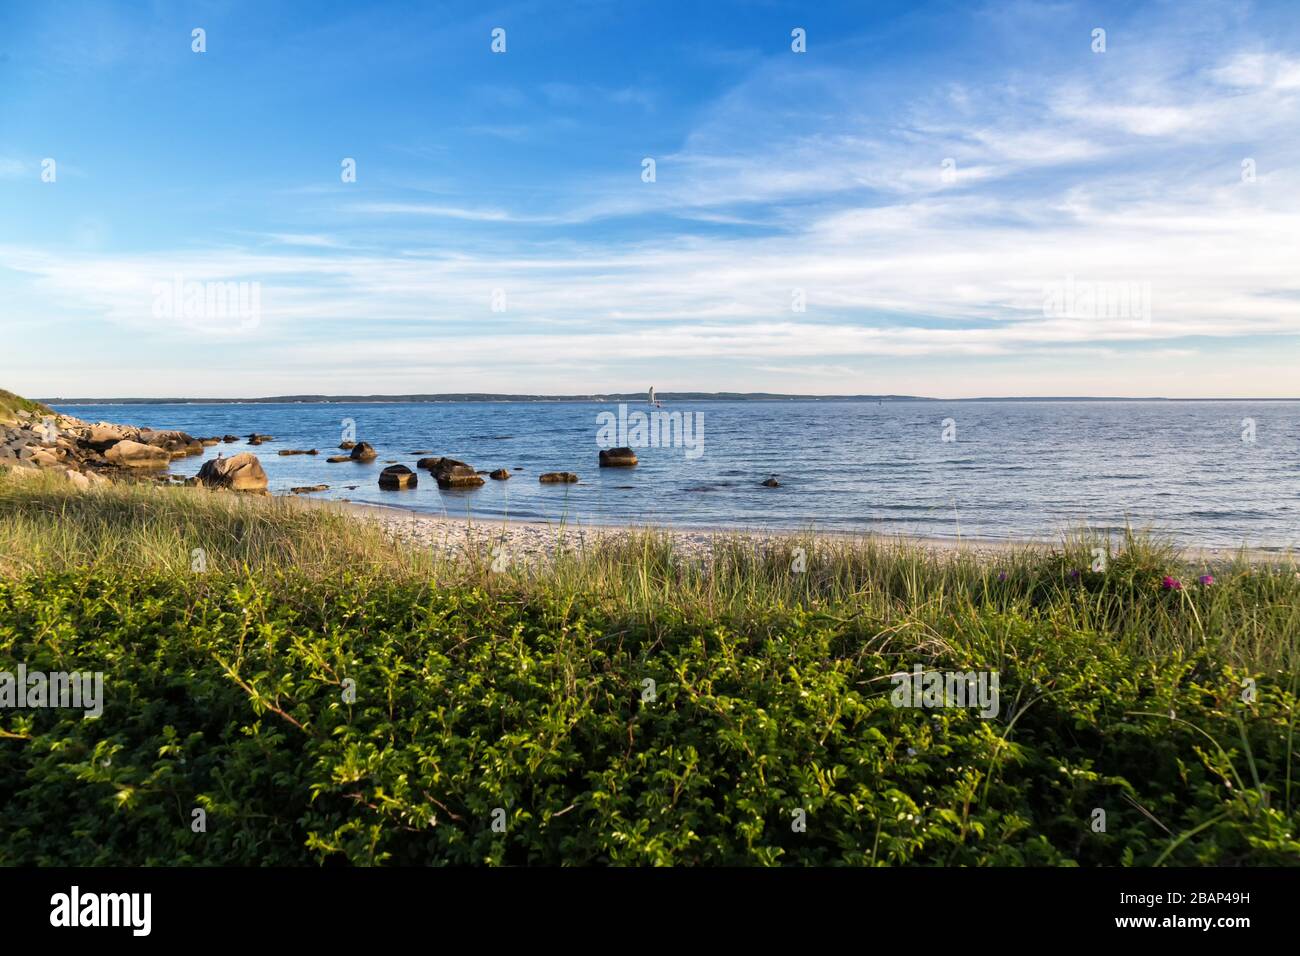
(326, 693)
(1250, 613)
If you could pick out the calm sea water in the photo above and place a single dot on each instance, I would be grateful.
(1014, 470)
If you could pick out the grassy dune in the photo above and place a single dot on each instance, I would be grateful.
(325, 695)
(11, 404)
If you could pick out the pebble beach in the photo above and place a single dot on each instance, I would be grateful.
(529, 541)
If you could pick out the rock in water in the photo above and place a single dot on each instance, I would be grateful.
(500, 475)
(396, 477)
(179, 444)
(347, 445)
(299, 451)
(335, 459)
(617, 458)
(363, 451)
(429, 464)
(308, 489)
(134, 454)
(771, 483)
(243, 472)
(558, 478)
(450, 473)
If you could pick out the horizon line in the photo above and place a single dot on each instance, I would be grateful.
(454, 397)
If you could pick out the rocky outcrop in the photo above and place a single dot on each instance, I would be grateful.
(33, 437)
(396, 477)
(617, 458)
(428, 464)
(242, 472)
(363, 451)
(256, 439)
(308, 489)
(557, 478)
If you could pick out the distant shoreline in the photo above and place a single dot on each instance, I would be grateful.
(454, 398)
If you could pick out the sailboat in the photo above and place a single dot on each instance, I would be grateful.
(656, 404)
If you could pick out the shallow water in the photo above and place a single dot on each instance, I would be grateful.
(1013, 470)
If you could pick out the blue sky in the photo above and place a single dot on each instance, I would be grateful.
(925, 179)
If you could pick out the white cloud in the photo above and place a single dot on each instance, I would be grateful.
(1272, 71)
(1122, 177)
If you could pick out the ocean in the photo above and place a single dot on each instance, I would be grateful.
(1208, 473)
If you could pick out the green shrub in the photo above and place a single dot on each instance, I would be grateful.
(227, 693)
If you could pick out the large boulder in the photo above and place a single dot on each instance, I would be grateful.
(46, 458)
(396, 477)
(617, 458)
(18, 469)
(84, 480)
(179, 444)
(451, 473)
(364, 451)
(133, 454)
(104, 435)
(242, 472)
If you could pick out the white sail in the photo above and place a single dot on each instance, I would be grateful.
(652, 394)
